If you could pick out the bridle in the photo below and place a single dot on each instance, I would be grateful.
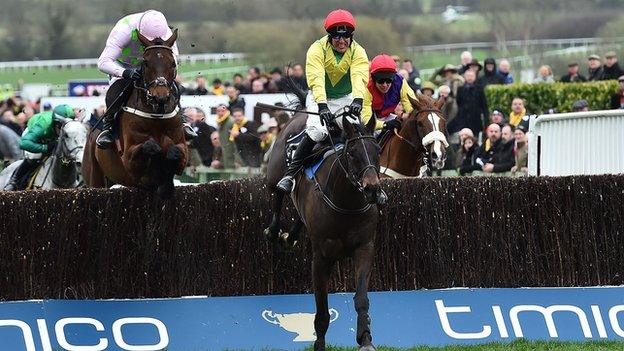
(158, 82)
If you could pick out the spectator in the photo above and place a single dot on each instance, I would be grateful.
(573, 76)
(459, 142)
(235, 101)
(617, 99)
(448, 76)
(544, 75)
(217, 155)
(201, 86)
(237, 82)
(466, 58)
(257, 87)
(594, 70)
(580, 106)
(472, 106)
(245, 134)
(521, 152)
(467, 156)
(449, 108)
(504, 71)
(202, 142)
(277, 83)
(228, 149)
(428, 89)
(397, 61)
(496, 153)
(475, 66)
(298, 76)
(403, 73)
(517, 111)
(498, 117)
(217, 87)
(413, 77)
(47, 106)
(253, 73)
(8, 119)
(490, 74)
(611, 67)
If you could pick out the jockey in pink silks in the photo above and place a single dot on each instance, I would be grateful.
(121, 59)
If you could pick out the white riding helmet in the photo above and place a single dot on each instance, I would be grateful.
(153, 24)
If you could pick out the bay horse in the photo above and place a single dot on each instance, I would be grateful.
(338, 209)
(151, 147)
(419, 147)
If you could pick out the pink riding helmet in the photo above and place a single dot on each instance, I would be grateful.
(153, 24)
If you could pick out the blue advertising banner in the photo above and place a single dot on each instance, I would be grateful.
(400, 319)
(87, 87)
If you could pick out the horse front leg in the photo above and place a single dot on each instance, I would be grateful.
(174, 157)
(273, 231)
(363, 258)
(290, 239)
(321, 270)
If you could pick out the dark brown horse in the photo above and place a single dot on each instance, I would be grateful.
(151, 147)
(419, 147)
(339, 211)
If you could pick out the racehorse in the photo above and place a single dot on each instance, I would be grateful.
(419, 147)
(62, 168)
(151, 147)
(339, 211)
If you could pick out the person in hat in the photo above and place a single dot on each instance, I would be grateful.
(594, 69)
(385, 90)
(617, 99)
(490, 74)
(611, 67)
(544, 75)
(39, 140)
(337, 74)
(580, 106)
(573, 76)
(465, 58)
(428, 89)
(521, 151)
(498, 117)
(121, 59)
(475, 66)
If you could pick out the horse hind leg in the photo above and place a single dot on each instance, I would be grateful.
(272, 233)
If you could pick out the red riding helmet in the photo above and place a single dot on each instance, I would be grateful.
(382, 63)
(339, 18)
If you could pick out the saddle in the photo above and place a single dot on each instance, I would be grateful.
(320, 152)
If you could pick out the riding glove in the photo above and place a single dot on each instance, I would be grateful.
(50, 146)
(356, 107)
(326, 116)
(131, 73)
(392, 124)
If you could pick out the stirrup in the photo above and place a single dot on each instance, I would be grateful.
(104, 140)
(286, 184)
(189, 132)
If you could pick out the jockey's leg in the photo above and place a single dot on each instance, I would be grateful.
(315, 132)
(29, 164)
(116, 97)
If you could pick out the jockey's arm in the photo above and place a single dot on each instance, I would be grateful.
(31, 140)
(119, 38)
(315, 72)
(359, 72)
(406, 91)
(367, 111)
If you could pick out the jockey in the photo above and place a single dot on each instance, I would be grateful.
(385, 90)
(121, 60)
(337, 72)
(39, 139)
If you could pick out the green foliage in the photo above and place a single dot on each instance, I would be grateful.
(560, 96)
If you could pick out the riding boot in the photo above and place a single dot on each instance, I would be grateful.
(303, 150)
(27, 166)
(105, 138)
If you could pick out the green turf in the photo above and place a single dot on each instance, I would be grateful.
(520, 345)
(61, 76)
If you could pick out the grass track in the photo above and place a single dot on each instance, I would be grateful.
(521, 345)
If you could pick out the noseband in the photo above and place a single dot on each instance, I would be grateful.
(158, 82)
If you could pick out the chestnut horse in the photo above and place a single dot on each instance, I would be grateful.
(419, 147)
(151, 147)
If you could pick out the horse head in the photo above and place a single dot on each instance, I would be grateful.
(159, 70)
(72, 142)
(361, 156)
(430, 126)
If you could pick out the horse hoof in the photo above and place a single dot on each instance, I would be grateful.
(367, 348)
(270, 235)
(287, 244)
(319, 346)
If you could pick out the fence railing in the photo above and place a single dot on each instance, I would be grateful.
(92, 62)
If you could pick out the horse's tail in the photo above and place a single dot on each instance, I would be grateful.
(294, 88)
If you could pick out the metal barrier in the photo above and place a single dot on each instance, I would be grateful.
(577, 143)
